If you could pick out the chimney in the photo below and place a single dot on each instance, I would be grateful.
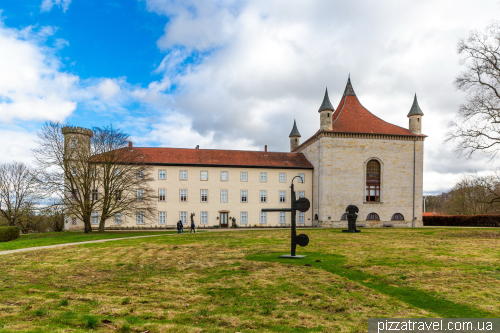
(130, 145)
(197, 146)
(265, 149)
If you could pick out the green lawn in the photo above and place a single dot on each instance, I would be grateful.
(234, 282)
(52, 238)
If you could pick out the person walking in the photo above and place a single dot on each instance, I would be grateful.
(192, 227)
(179, 227)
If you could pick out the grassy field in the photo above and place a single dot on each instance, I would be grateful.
(53, 238)
(234, 282)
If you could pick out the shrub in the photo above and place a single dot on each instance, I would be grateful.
(463, 220)
(9, 233)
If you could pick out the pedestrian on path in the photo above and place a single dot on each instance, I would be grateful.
(192, 227)
(180, 227)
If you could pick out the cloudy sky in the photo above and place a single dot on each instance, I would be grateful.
(232, 74)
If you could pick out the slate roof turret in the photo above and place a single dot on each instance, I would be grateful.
(415, 109)
(295, 131)
(326, 105)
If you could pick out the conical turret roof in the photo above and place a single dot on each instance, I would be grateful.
(415, 109)
(326, 105)
(295, 131)
(349, 90)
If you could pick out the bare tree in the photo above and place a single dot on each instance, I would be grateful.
(19, 193)
(477, 127)
(124, 178)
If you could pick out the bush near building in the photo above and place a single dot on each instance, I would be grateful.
(463, 220)
(9, 233)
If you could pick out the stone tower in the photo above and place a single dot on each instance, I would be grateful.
(76, 138)
(326, 111)
(294, 137)
(415, 116)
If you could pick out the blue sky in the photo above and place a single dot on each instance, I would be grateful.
(232, 74)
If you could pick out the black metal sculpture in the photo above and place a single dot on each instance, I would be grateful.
(301, 205)
(351, 211)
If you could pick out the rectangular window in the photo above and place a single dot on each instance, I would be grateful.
(74, 171)
(162, 174)
(118, 195)
(118, 173)
(372, 192)
(204, 195)
(282, 217)
(223, 195)
(162, 218)
(140, 217)
(282, 177)
(302, 177)
(183, 216)
(140, 174)
(243, 218)
(140, 194)
(94, 219)
(244, 176)
(184, 196)
(183, 175)
(263, 217)
(95, 173)
(74, 143)
(118, 218)
(223, 176)
(95, 194)
(302, 217)
(282, 196)
(263, 176)
(302, 194)
(244, 196)
(204, 175)
(263, 196)
(162, 194)
(204, 217)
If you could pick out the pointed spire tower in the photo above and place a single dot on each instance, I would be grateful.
(326, 111)
(415, 116)
(349, 90)
(294, 137)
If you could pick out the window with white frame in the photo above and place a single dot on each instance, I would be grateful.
(204, 217)
(74, 143)
(244, 218)
(263, 217)
(244, 195)
(140, 194)
(118, 218)
(263, 176)
(118, 173)
(204, 195)
(95, 173)
(183, 175)
(302, 194)
(244, 176)
(162, 218)
(302, 217)
(184, 195)
(140, 218)
(302, 177)
(223, 195)
(74, 171)
(162, 194)
(140, 174)
(282, 217)
(95, 194)
(263, 196)
(162, 174)
(223, 176)
(94, 218)
(204, 175)
(183, 217)
(282, 196)
(118, 195)
(282, 177)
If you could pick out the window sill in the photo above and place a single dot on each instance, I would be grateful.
(373, 202)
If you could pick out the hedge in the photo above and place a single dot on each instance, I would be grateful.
(463, 220)
(9, 233)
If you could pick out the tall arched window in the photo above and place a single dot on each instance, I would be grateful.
(373, 181)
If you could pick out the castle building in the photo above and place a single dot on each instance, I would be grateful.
(355, 158)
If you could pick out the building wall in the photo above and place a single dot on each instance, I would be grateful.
(340, 171)
(173, 206)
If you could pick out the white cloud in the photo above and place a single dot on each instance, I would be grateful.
(47, 5)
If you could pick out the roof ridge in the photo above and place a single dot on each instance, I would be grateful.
(200, 149)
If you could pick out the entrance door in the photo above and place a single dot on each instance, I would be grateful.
(223, 220)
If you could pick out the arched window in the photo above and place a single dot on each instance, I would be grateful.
(344, 216)
(373, 216)
(373, 181)
(398, 217)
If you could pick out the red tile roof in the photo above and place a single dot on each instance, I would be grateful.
(352, 117)
(209, 157)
